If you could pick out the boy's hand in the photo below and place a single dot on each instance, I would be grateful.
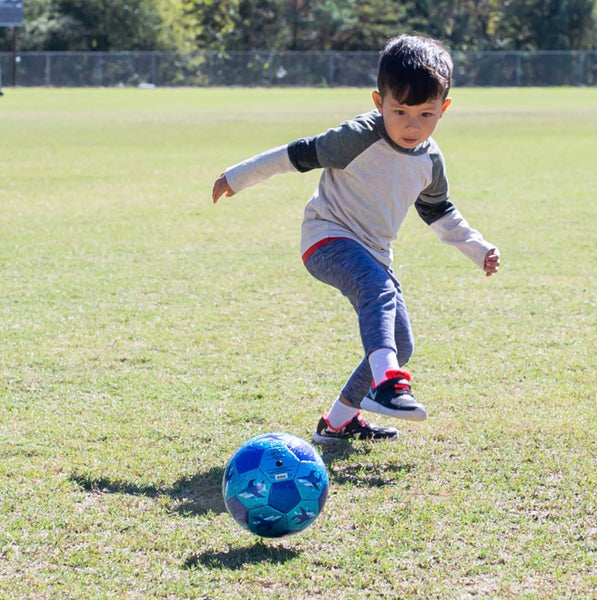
(221, 187)
(492, 262)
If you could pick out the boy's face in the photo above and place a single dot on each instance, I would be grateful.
(408, 125)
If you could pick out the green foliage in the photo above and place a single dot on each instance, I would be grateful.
(375, 23)
(303, 24)
(104, 25)
(273, 25)
(97, 25)
(350, 25)
(212, 21)
(553, 25)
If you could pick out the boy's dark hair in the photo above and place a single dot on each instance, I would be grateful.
(414, 69)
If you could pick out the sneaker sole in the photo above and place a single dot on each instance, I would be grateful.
(324, 440)
(417, 414)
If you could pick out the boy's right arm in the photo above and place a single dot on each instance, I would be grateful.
(252, 171)
(335, 148)
(221, 187)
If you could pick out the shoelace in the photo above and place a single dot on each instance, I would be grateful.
(358, 421)
(402, 386)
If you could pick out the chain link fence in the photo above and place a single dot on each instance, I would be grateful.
(260, 68)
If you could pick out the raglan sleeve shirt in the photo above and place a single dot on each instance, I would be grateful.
(366, 187)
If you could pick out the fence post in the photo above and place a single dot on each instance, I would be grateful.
(48, 69)
(15, 58)
(154, 68)
(581, 68)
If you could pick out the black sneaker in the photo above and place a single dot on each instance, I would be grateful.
(357, 429)
(394, 398)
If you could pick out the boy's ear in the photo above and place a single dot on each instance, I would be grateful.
(377, 100)
(445, 105)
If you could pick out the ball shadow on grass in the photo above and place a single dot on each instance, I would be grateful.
(236, 558)
(189, 496)
(362, 472)
(201, 493)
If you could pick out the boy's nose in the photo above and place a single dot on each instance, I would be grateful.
(413, 123)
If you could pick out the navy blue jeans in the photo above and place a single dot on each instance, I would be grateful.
(375, 294)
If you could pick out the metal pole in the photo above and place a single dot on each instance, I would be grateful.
(581, 68)
(100, 64)
(14, 57)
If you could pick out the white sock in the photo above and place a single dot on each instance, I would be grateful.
(381, 361)
(340, 414)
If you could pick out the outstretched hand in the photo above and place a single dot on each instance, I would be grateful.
(492, 262)
(221, 188)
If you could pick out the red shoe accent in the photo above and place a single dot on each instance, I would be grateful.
(401, 374)
(325, 418)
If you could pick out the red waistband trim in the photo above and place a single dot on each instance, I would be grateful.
(318, 245)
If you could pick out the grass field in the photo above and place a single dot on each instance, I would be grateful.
(147, 333)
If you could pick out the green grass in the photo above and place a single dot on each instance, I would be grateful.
(146, 334)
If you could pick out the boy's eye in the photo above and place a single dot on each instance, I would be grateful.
(427, 114)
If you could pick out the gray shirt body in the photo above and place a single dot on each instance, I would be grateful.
(367, 185)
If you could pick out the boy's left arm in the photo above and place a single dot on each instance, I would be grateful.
(437, 210)
(452, 228)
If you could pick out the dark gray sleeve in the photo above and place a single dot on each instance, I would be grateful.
(432, 212)
(303, 155)
(434, 201)
(336, 148)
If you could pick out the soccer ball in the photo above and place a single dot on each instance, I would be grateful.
(276, 484)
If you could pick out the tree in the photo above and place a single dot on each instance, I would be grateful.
(210, 22)
(303, 24)
(272, 24)
(94, 24)
(551, 25)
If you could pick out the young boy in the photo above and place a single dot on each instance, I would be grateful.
(375, 167)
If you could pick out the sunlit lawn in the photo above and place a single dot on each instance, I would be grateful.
(146, 334)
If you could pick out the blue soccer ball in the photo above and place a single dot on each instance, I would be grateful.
(276, 484)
